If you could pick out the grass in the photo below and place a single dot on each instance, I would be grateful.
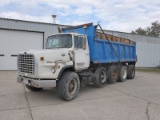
(157, 70)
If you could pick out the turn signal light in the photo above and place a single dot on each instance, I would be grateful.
(58, 66)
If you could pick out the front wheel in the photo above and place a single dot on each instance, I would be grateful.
(68, 86)
(33, 88)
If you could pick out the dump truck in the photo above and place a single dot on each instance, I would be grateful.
(75, 57)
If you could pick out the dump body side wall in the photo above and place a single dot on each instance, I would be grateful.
(105, 54)
(101, 50)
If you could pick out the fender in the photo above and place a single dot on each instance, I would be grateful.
(64, 69)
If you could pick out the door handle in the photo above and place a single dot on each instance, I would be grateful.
(14, 55)
(2, 55)
(62, 54)
(87, 54)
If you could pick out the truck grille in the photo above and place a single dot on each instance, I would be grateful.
(26, 63)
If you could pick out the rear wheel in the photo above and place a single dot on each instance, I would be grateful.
(33, 88)
(122, 74)
(101, 77)
(130, 71)
(68, 86)
(112, 74)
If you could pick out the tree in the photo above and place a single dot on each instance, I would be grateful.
(153, 30)
(139, 31)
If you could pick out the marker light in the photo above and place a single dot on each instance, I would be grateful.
(58, 66)
(42, 58)
(85, 26)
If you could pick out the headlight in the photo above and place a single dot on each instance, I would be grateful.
(53, 70)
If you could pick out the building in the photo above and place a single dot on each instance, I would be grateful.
(20, 35)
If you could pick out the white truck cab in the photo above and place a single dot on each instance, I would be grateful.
(43, 68)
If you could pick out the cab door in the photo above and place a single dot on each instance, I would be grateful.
(81, 52)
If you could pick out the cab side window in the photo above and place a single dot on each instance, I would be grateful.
(78, 42)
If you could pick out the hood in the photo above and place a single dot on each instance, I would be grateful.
(50, 55)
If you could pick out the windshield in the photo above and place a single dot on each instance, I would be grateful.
(59, 41)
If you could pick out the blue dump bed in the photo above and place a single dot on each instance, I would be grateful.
(102, 50)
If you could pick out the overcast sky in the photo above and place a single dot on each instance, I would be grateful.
(118, 15)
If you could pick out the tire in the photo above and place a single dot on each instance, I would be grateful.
(112, 74)
(101, 77)
(33, 88)
(122, 74)
(130, 71)
(68, 86)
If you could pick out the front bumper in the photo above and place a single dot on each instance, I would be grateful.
(37, 83)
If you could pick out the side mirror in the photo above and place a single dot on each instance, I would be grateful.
(59, 29)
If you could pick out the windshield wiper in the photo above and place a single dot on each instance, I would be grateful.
(65, 45)
(54, 45)
(58, 46)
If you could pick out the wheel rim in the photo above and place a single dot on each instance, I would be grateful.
(124, 73)
(115, 73)
(103, 76)
(72, 87)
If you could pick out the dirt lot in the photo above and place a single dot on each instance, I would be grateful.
(137, 99)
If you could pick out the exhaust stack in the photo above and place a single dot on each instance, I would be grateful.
(54, 18)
